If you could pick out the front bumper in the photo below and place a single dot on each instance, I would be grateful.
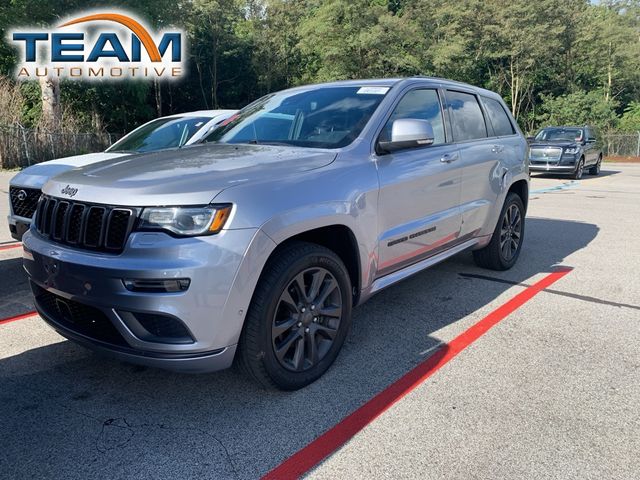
(566, 164)
(81, 294)
(552, 168)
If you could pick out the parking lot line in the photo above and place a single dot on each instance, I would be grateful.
(555, 188)
(8, 247)
(18, 317)
(327, 443)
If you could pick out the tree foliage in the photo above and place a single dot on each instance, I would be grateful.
(554, 61)
(579, 108)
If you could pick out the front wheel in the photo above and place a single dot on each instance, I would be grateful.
(504, 249)
(577, 174)
(298, 318)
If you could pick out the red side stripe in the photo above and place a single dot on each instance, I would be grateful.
(8, 247)
(323, 446)
(18, 317)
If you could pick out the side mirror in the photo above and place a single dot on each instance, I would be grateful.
(530, 139)
(409, 133)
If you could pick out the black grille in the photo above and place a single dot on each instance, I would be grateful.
(24, 201)
(95, 227)
(77, 317)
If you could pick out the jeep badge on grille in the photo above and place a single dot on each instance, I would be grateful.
(22, 195)
(69, 191)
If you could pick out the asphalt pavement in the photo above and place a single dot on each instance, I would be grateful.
(551, 391)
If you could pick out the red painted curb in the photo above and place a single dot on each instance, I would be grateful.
(323, 446)
(8, 247)
(18, 317)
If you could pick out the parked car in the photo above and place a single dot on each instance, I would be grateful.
(256, 245)
(165, 132)
(566, 150)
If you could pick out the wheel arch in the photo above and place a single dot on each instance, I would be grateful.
(338, 238)
(521, 188)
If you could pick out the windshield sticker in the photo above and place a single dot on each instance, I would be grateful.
(229, 120)
(373, 90)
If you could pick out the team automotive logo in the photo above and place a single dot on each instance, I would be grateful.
(100, 45)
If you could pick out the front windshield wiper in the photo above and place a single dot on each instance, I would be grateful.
(283, 144)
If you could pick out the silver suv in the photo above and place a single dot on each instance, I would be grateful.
(256, 245)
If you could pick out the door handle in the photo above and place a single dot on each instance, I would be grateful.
(497, 149)
(449, 157)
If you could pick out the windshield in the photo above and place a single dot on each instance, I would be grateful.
(325, 117)
(160, 134)
(560, 134)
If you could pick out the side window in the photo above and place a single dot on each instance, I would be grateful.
(422, 104)
(498, 117)
(466, 117)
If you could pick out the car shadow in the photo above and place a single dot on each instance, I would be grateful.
(605, 172)
(15, 294)
(73, 414)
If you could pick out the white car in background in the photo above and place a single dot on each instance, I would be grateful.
(173, 131)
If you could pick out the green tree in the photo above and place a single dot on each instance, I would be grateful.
(357, 39)
(579, 108)
(630, 121)
(609, 49)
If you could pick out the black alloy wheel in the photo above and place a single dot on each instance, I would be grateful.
(511, 232)
(307, 319)
(299, 317)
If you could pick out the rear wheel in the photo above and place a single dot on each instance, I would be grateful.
(504, 249)
(595, 170)
(298, 319)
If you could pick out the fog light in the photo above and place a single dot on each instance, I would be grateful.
(157, 286)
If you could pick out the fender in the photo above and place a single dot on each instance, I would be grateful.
(350, 215)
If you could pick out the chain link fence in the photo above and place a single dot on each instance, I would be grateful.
(21, 147)
(621, 145)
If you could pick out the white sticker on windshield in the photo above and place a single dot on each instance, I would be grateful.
(373, 90)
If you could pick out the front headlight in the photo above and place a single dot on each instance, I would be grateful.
(186, 221)
(572, 150)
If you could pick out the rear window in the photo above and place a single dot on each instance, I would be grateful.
(498, 117)
(466, 116)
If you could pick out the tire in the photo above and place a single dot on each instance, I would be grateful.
(595, 170)
(577, 174)
(493, 256)
(274, 323)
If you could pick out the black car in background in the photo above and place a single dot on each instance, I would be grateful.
(566, 150)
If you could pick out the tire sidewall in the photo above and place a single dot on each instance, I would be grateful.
(579, 169)
(284, 378)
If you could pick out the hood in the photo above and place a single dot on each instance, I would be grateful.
(37, 175)
(189, 176)
(553, 143)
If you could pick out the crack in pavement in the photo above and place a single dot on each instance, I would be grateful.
(123, 424)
